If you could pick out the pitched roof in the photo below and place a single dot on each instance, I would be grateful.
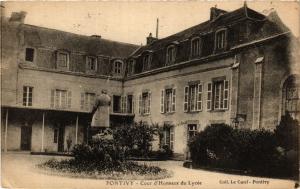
(270, 25)
(91, 45)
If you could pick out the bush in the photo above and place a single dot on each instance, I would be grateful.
(135, 139)
(253, 151)
(163, 153)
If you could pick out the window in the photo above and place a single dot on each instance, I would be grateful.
(291, 101)
(193, 98)
(118, 67)
(168, 137)
(218, 95)
(55, 137)
(195, 47)
(87, 101)
(131, 65)
(171, 54)
(116, 104)
(91, 63)
(29, 54)
(27, 96)
(192, 130)
(63, 60)
(60, 99)
(220, 41)
(147, 62)
(144, 103)
(130, 104)
(168, 100)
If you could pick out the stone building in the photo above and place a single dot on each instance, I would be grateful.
(239, 68)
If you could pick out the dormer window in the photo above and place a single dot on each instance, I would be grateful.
(147, 62)
(63, 60)
(220, 39)
(195, 47)
(91, 63)
(171, 54)
(130, 67)
(118, 65)
(29, 55)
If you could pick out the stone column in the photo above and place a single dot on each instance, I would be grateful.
(258, 73)
(234, 88)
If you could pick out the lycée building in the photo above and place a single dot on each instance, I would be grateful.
(239, 68)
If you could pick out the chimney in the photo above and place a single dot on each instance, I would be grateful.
(150, 39)
(18, 17)
(96, 36)
(215, 12)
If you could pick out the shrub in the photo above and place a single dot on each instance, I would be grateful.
(253, 151)
(135, 139)
(163, 153)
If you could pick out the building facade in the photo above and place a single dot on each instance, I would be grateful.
(239, 68)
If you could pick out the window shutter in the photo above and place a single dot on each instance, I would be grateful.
(149, 103)
(174, 100)
(162, 101)
(69, 99)
(82, 101)
(125, 104)
(52, 98)
(226, 94)
(186, 99)
(199, 98)
(209, 96)
(122, 104)
(133, 105)
(140, 104)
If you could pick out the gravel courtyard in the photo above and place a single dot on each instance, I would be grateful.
(18, 171)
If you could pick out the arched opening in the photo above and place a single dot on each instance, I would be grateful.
(290, 97)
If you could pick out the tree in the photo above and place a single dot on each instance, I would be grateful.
(287, 133)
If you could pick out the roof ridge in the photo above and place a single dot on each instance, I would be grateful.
(79, 35)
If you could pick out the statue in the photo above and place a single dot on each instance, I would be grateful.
(100, 111)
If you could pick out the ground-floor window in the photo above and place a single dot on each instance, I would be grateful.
(192, 130)
(291, 101)
(168, 137)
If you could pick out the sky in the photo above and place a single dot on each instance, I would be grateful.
(132, 21)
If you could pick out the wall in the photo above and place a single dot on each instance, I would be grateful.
(43, 81)
(179, 79)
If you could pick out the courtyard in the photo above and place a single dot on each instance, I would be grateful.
(19, 171)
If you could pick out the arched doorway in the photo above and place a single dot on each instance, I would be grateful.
(290, 97)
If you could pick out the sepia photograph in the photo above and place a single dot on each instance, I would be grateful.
(150, 94)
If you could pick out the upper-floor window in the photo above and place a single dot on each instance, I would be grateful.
(87, 101)
(118, 65)
(195, 47)
(168, 100)
(91, 63)
(27, 96)
(29, 54)
(63, 60)
(171, 54)
(218, 95)
(130, 67)
(193, 97)
(220, 39)
(147, 62)
(60, 99)
(144, 103)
